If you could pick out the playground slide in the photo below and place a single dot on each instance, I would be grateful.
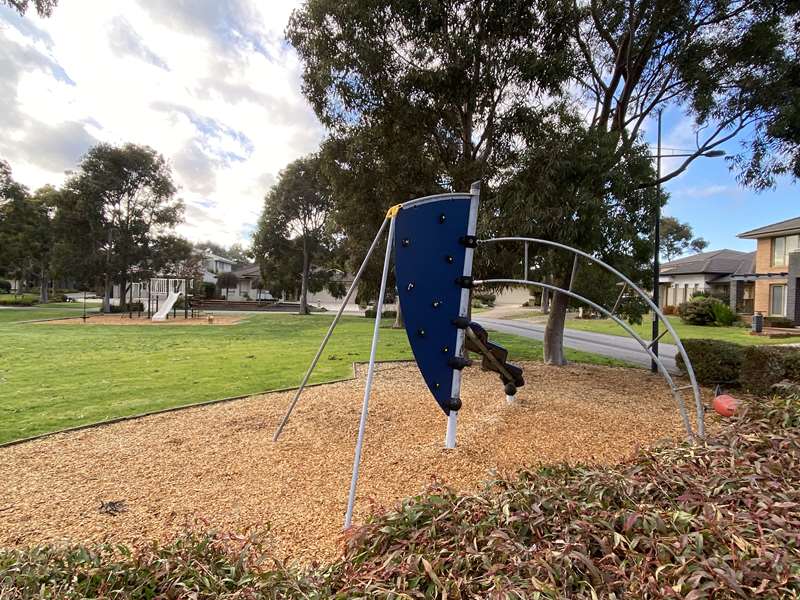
(167, 306)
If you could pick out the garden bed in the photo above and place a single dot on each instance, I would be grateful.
(219, 465)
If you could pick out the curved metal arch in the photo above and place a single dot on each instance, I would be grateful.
(667, 325)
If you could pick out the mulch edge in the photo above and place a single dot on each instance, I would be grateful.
(161, 411)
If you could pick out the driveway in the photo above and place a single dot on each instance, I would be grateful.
(613, 346)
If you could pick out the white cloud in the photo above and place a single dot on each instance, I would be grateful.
(211, 85)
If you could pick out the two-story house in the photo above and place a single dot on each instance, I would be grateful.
(777, 270)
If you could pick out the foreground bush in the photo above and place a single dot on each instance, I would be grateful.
(721, 520)
(18, 300)
(713, 361)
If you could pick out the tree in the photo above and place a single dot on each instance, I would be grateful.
(227, 280)
(677, 238)
(460, 74)
(714, 60)
(117, 204)
(296, 223)
(25, 232)
(235, 252)
(43, 7)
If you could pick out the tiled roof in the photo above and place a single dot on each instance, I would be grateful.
(782, 227)
(717, 262)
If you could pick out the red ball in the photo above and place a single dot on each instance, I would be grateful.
(725, 405)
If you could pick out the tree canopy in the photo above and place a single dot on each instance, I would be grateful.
(678, 238)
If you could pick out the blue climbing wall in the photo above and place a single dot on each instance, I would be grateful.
(428, 259)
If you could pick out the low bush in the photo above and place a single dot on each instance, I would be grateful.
(669, 310)
(130, 307)
(5, 286)
(18, 299)
(387, 314)
(706, 310)
(713, 361)
(486, 298)
(764, 366)
(723, 315)
(717, 519)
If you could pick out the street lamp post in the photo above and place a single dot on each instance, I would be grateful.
(657, 234)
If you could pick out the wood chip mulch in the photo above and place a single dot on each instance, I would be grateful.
(218, 466)
(124, 319)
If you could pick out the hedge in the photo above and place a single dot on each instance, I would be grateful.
(387, 314)
(713, 361)
(755, 368)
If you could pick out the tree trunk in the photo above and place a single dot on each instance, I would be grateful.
(107, 293)
(123, 296)
(398, 319)
(304, 283)
(545, 300)
(44, 288)
(554, 331)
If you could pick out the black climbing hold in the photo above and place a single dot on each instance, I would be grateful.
(406, 242)
(465, 281)
(410, 286)
(436, 304)
(442, 218)
(449, 259)
(445, 350)
(436, 385)
(421, 332)
(470, 241)
(458, 363)
(455, 403)
(461, 322)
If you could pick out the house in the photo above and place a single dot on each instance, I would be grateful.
(776, 272)
(710, 273)
(213, 265)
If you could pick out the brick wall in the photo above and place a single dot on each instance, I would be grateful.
(763, 258)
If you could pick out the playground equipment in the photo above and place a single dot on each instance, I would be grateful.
(433, 240)
(160, 295)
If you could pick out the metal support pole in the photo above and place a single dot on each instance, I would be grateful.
(314, 362)
(525, 263)
(348, 518)
(657, 247)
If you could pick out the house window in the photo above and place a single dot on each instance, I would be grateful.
(777, 300)
(781, 246)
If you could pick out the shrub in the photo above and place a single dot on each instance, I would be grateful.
(486, 298)
(130, 307)
(5, 286)
(723, 315)
(706, 310)
(713, 361)
(18, 300)
(764, 366)
(669, 310)
(387, 314)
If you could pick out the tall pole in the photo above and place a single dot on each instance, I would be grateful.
(351, 499)
(657, 247)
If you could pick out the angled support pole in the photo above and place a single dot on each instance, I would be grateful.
(351, 500)
(353, 287)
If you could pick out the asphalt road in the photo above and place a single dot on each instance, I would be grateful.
(614, 346)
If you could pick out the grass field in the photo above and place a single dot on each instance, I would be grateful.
(738, 335)
(58, 376)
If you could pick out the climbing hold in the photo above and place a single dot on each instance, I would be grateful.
(445, 350)
(455, 403)
(421, 332)
(436, 304)
(406, 242)
(410, 286)
(449, 259)
(442, 218)
(725, 405)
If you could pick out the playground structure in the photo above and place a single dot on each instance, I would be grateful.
(158, 297)
(434, 240)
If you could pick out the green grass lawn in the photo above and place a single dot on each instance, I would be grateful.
(58, 376)
(739, 335)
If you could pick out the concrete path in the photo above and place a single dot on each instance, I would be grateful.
(613, 346)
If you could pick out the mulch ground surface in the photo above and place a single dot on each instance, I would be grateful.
(147, 479)
(124, 319)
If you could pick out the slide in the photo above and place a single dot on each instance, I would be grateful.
(167, 306)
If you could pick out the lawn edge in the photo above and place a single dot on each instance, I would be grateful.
(170, 409)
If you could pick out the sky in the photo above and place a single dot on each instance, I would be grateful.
(214, 87)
